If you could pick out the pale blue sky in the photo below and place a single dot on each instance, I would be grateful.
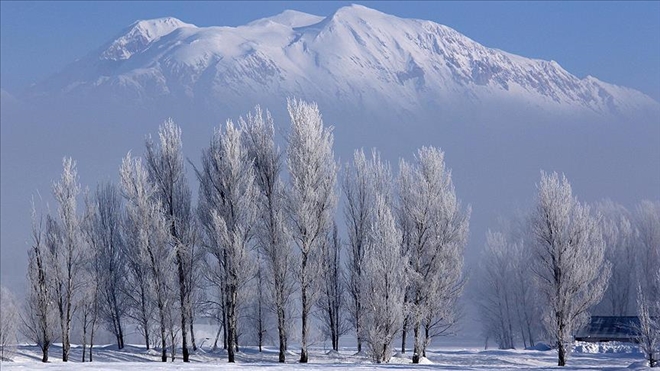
(617, 42)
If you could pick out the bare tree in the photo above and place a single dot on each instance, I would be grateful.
(495, 292)
(272, 236)
(620, 237)
(506, 291)
(647, 221)
(227, 208)
(570, 268)
(88, 311)
(147, 232)
(434, 233)
(103, 232)
(38, 318)
(384, 282)
(330, 301)
(525, 296)
(166, 168)
(311, 197)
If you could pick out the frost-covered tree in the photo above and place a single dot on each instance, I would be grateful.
(227, 209)
(311, 197)
(108, 263)
(166, 169)
(272, 236)
(383, 282)
(569, 263)
(8, 321)
(434, 233)
(66, 250)
(148, 251)
(38, 318)
(362, 180)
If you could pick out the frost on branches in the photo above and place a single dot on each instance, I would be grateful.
(571, 272)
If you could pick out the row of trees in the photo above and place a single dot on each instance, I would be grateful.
(142, 253)
(565, 260)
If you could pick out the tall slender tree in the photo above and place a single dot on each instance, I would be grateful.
(569, 264)
(166, 168)
(331, 298)
(147, 244)
(227, 208)
(362, 180)
(38, 318)
(272, 235)
(384, 282)
(311, 197)
(66, 249)
(434, 228)
(103, 233)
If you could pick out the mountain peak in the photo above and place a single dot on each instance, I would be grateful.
(355, 11)
(290, 18)
(139, 35)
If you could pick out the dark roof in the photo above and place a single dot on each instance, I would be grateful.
(609, 328)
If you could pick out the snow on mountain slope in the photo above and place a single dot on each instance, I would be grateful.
(358, 57)
(139, 35)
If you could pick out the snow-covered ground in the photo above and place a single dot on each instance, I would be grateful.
(135, 358)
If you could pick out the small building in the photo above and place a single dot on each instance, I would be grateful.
(610, 328)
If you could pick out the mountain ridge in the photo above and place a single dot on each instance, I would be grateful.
(357, 56)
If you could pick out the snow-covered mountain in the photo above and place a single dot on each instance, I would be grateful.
(357, 58)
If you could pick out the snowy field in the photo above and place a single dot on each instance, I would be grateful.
(133, 358)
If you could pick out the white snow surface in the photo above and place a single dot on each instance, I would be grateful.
(357, 57)
(136, 358)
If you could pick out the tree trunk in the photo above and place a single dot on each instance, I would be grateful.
(145, 318)
(303, 341)
(403, 337)
(66, 345)
(163, 336)
(282, 335)
(44, 353)
(91, 341)
(119, 332)
(358, 329)
(231, 321)
(163, 344)
(182, 299)
(192, 332)
(562, 354)
(415, 357)
(225, 325)
(84, 338)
